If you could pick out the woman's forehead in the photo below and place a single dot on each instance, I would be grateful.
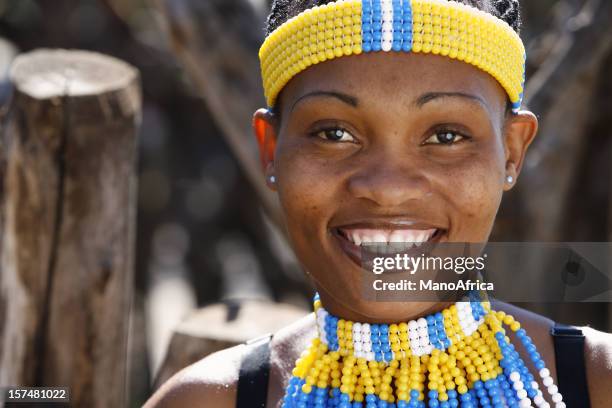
(397, 78)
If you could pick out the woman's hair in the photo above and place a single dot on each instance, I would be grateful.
(283, 10)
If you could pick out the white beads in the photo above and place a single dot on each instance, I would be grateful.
(519, 386)
(515, 376)
(321, 314)
(419, 337)
(539, 400)
(366, 341)
(387, 24)
(466, 319)
(362, 342)
(551, 388)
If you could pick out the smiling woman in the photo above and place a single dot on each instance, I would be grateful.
(395, 121)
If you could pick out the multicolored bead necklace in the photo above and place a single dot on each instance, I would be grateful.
(460, 356)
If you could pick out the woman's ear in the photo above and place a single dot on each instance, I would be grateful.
(520, 130)
(264, 127)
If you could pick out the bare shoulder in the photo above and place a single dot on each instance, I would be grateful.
(210, 382)
(598, 361)
(597, 353)
(536, 325)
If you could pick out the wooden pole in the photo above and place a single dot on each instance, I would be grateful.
(68, 240)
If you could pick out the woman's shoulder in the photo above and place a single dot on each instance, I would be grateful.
(598, 361)
(213, 380)
(597, 351)
(210, 381)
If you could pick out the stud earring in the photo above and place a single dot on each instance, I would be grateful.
(510, 179)
(272, 179)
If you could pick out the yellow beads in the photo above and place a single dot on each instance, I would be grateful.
(473, 36)
(472, 358)
(335, 32)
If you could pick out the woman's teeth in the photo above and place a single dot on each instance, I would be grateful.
(404, 238)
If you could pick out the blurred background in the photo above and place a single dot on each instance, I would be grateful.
(208, 241)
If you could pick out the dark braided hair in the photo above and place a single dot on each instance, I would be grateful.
(283, 10)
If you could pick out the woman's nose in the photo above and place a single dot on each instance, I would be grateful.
(389, 183)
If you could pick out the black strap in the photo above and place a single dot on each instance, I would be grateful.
(571, 369)
(252, 389)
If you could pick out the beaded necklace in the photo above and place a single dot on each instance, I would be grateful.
(460, 356)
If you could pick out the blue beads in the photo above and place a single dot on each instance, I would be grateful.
(436, 331)
(366, 26)
(406, 35)
(397, 26)
(331, 332)
(379, 335)
(512, 362)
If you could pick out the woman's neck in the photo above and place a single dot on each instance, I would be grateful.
(378, 311)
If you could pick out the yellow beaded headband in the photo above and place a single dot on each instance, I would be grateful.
(350, 27)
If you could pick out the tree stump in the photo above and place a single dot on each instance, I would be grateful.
(219, 326)
(68, 239)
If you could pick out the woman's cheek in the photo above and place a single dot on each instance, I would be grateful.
(478, 195)
(303, 194)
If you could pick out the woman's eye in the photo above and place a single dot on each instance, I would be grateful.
(335, 135)
(445, 137)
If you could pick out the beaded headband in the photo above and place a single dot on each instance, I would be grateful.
(350, 27)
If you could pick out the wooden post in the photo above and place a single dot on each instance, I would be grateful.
(68, 239)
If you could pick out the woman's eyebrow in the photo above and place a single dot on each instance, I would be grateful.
(348, 99)
(430, 96)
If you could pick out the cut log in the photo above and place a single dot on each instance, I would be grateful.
(67, 253)
(220, 326)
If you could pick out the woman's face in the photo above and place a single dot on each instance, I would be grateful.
(389, 147)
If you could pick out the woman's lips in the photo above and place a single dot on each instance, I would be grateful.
(355, 241)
